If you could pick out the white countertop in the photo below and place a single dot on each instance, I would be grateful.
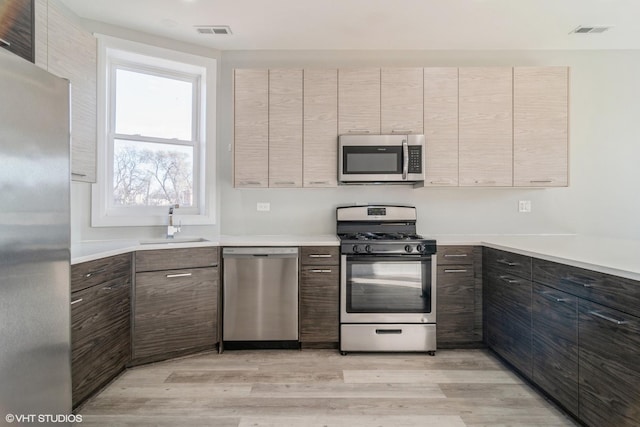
(92, 250)
(612, 256)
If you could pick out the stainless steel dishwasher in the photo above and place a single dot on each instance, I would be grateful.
(260, 297)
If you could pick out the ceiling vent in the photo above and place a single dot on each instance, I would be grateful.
(590, 30)
(213, 29)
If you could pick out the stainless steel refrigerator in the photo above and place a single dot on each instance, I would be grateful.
(35, 368)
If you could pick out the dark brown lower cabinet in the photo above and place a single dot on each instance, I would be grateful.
(175, 312)
(100, 335)
(455, 299)
(609, 366)
(319, 303)
(508, 321)
(555, 344)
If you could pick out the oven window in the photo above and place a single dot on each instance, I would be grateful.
(372, 160)
(375, 286)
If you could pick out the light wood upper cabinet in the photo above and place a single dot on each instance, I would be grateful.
(251, 124)
(401, 92)
(72, 54)
(540, 126)
(320, 145)
(359, 100)
(285, 128)
(486, 126)
(441, 126)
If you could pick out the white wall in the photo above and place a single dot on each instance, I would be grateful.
(604, 152)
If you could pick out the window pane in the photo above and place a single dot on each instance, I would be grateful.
(150, 174)
(153, 106)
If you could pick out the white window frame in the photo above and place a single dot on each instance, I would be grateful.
(115, 53)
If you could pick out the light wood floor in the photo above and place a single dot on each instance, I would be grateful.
(321, 388)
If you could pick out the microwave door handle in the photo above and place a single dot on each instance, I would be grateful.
(405, 159)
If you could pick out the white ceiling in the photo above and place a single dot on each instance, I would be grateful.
(377, 24)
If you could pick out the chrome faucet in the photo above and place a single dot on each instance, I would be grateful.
(171, 230)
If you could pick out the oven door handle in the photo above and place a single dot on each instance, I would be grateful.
(386, 258)
(405, 159)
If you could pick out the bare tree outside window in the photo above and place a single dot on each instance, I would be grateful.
(147, 174)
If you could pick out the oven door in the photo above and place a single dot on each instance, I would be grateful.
(388, 289)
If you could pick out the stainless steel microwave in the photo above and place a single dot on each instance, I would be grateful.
(381, 159)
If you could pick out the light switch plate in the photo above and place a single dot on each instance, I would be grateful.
(263, 206)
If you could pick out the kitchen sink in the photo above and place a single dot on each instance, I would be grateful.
(173, 241)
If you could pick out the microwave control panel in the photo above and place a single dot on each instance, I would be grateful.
(415, 159)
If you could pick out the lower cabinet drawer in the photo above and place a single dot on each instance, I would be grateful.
(385, 337)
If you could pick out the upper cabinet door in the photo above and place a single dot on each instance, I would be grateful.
(486, 126)
(16, 27)
(359, 100)
(320, 140)
(251, 128)
(285, 128)
(540, 126)
(401, 94)
(441, 126)
(72, 54)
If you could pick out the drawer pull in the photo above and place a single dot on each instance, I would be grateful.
(441, 183)
(550, 297)
(358, 131)
(250, 183)
(81, 175)
(585, 282)
(321, 271)
(507, 263)
(455, 255)
(510, 281)
(171, 276)
(541, 181)
(110, 288)
(4, 43)
(607, 318)
(403, 131)
(76, 301)
(319, 182)
(102, 270)
(320, 256)
(285, 183)
(452, 270)
(388, 331)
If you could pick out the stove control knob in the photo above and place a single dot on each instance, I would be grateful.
(355, 249)
(419, 248)
(407, 248)
(367, 248)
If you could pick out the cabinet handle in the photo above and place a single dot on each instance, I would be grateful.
(389, 331)
(581, 281)
(541, 181)
(358, 131)
(320, 255)
(318, 182)
(250, 183)
(607, 318)
(509, 281)
(5, 43)
(284, 183)
(455, 255)
(477, 181)
(110, 288)
(508, 263)
(455, 270)
(76, 301)
(404, 131)
(440, 182)
(171, 276)
(91, 273)
(550, 297)
(78, 174)
(320, 271)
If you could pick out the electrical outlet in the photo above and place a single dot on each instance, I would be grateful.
(263, 206)
(524, 206)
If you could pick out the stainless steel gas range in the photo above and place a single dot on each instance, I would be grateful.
(388, 281)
